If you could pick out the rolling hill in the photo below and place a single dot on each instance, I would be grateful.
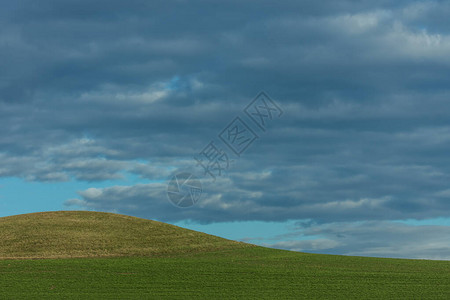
(65, 234)
(93, 255)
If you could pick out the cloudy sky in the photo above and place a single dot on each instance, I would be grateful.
(102, 101)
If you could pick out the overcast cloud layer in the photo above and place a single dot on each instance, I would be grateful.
(93, 91)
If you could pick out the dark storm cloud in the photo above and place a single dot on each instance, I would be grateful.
(92, 90)
(325, 194)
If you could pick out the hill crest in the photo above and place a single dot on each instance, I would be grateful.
(66, 234)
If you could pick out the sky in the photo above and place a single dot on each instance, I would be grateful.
(103, 102)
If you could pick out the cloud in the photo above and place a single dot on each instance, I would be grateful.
(291, 193)
(379, 239)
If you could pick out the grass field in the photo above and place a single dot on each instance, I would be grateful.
(221, 270)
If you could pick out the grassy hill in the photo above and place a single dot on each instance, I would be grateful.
(65, 234)
(130, 258)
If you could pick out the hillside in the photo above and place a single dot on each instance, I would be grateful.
(65, 234)
(111, 256)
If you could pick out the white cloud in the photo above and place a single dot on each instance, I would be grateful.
(379, 239)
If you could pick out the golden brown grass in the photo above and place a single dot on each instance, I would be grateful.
(64, 234)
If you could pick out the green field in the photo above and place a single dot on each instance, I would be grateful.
(212, 268)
